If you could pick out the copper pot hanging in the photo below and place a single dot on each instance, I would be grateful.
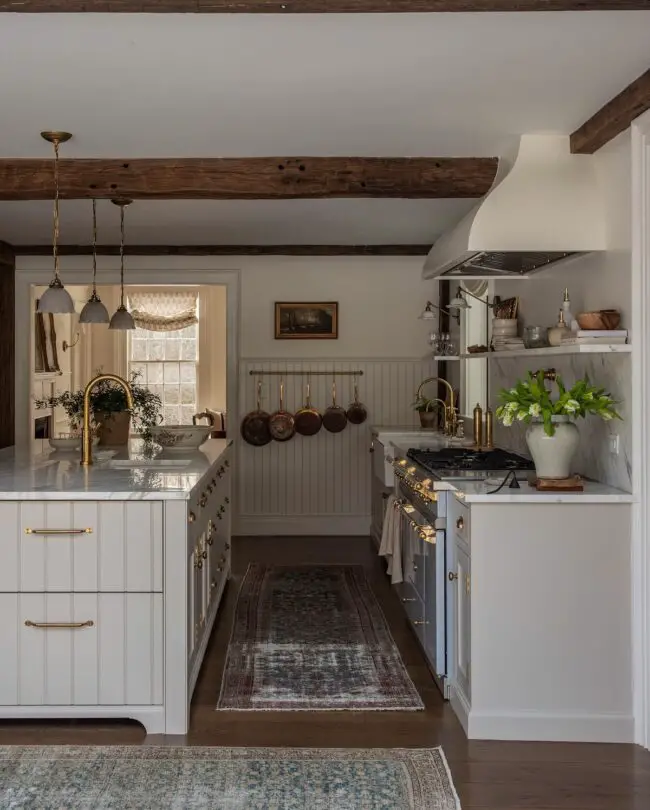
(357, 412)
(255, 425)
(281, 423)
(308, 420)
(334, 418)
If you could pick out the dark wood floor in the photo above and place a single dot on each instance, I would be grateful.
(487, 775)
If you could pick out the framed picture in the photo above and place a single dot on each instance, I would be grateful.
(46, 355)
(298, 321)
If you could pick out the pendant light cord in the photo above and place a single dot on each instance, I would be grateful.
(55, 238)
(94, 246)
(122, 254)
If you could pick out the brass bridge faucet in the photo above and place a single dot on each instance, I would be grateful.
(86, 438)
(451, 416)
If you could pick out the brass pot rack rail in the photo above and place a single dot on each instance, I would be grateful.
(258, 373)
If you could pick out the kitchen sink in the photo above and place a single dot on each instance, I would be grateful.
(162, 464)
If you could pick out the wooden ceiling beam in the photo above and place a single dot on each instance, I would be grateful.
(272, 178)
(612, 119)
(228, 250)
(314, 6)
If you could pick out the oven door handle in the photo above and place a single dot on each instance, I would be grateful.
(424, 531)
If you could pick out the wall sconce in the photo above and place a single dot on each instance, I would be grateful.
(67, 345)
(428, 314)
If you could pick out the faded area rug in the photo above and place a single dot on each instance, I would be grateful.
(312, 638)
(150, 778)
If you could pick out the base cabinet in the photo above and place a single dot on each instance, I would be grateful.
(462, 624)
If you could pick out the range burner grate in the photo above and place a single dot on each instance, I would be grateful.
(457, 458)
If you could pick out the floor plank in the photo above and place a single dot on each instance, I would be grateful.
(488, 775)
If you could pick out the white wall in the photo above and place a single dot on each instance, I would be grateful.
(595, 281)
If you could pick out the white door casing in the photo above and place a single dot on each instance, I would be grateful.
(640, 167)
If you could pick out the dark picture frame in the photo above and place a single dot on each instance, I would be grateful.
(46, 357)
(306, 321)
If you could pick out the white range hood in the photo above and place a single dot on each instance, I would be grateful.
(545, 206)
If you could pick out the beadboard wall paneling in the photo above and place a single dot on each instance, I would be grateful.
(320, 484)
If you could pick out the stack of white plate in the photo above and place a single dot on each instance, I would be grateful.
(504, 330)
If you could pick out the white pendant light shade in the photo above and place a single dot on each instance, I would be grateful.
(458, 303)
(56, 299)
(122, 319)
(94, 311)
(428, 314)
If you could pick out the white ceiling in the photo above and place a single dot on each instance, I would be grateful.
(238, 85)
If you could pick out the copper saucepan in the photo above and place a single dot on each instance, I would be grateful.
(282, 425)
(308, 420)
(357, 412)
(334, 419)
(255, 425)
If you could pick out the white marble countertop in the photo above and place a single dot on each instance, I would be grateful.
(59, 476)
(477, 491)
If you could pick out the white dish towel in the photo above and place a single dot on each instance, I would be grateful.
(391, 542)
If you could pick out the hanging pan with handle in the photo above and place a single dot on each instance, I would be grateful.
(308, 420)
(334, 418)
(255, 425)
(281, 423)
(357, 412)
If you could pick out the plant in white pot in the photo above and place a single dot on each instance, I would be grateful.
(552, 435)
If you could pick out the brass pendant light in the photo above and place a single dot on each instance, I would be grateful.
(94, 311)
(122, 319)
(56, 299)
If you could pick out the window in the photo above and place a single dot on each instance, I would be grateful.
(167, 359)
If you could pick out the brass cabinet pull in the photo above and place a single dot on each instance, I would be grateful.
(59, 531)
(460, 523)
(451, 576)
(419, 622)
(191, 517)
(60, 625)
(467, 584)
(408, 599)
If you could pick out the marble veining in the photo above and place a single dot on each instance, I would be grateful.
(59, 476)
(592, 459)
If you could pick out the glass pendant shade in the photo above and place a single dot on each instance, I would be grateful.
(428, 314)
(458, 303)
(56, 299)
(94, 311)
(122, 319)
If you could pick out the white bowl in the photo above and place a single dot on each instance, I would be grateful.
(67, 443)
(181, 438)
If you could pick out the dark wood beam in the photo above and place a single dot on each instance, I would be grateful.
(615, 117)
(228, 250)
(314, 6)
(271, 178)
(7, 345)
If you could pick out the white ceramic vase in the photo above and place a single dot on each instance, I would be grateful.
(553, 454)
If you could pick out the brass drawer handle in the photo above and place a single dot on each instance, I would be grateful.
(58, 531)
(409, 599)
(419, 622)
(451, 576)
(460, 523)
(60, 625)
(191, 517)
(467, 582)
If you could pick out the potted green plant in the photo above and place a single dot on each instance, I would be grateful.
(109, 410)
(552, 435)
(427, 408)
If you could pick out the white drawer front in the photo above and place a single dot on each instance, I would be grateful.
(116, 660)
(96, 546)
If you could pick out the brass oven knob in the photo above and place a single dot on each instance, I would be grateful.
(451, 576)
(460, 523)
(198, 563)
(209, 540)
(204, 500)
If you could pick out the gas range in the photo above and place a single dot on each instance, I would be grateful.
(459, 463)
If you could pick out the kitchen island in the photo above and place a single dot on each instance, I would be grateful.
(110, 581)
(521, 600)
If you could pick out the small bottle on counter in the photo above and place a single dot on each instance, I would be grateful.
(478, 425)
(569, 320)
(489, 428)
(557, 333)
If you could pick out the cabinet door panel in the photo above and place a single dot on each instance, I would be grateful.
(463, 621)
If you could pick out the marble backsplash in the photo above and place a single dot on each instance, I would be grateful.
(593, 458)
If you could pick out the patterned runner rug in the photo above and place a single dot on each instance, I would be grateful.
(312, 638)
(193, 778)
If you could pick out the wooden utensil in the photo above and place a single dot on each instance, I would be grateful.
(334, 419)
(255, 425)
(282, 425)
(357, 412)
(308, 420)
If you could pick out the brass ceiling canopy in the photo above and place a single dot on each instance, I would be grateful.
(56, 136)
